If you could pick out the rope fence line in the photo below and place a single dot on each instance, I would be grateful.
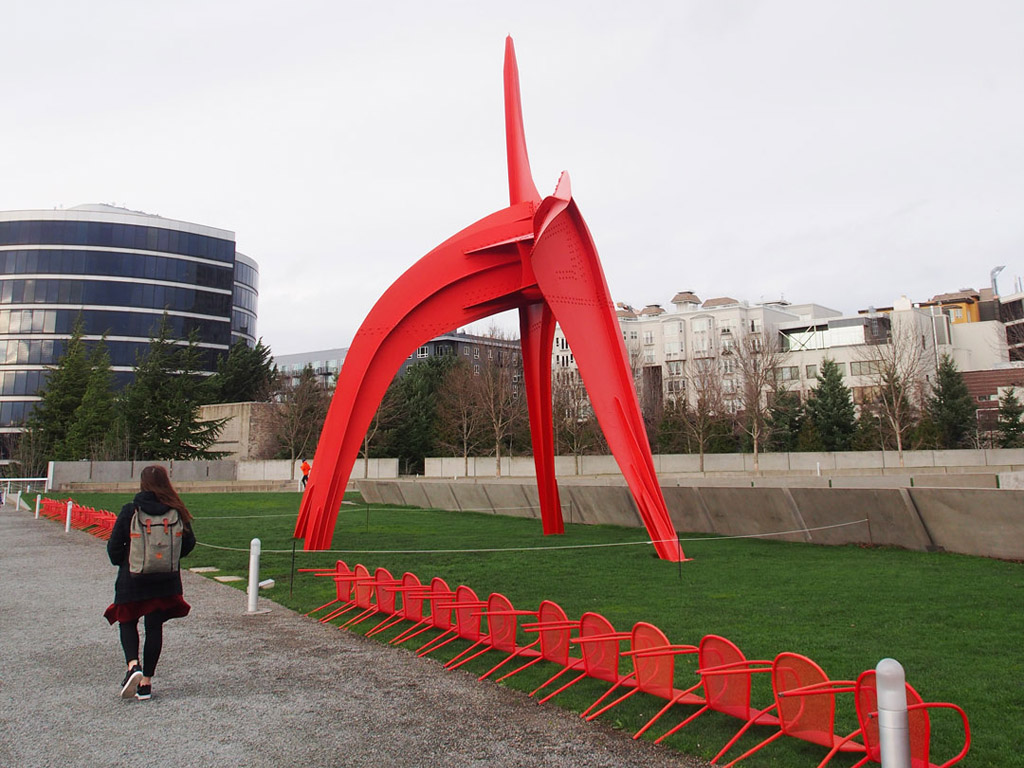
(560, 547)
(362, 506)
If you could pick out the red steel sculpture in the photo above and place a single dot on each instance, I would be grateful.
(535, 256)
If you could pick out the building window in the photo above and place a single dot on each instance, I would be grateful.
(423, 352)
(788, 373)
(648, 337)
(865, 367)
(812, 371)
(633, 336)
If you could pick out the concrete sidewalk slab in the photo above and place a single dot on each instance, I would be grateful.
(267, 690)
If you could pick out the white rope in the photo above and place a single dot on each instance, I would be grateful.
(535, 549)
(358, 507)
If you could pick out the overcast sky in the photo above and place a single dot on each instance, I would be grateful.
(837, 152)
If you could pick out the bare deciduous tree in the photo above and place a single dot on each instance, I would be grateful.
(300, 416)
(758, 359)
(706, 399)
(576, 429)
(383, 419)
(460, 418)
(896, 369)
(497, 390)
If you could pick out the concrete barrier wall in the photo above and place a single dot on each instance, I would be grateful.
(867, 462)
(973, 521)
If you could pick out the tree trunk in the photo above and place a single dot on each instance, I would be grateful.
(497, 458)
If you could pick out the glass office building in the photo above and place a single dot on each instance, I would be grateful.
(119, 271)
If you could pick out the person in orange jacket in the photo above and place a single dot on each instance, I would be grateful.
(305, 473)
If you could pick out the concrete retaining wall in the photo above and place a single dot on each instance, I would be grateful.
(863, 462)
(974, 521)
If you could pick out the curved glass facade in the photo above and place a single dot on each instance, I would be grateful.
(118, 271)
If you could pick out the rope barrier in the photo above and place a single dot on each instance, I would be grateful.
(359, 507)
(536, 549)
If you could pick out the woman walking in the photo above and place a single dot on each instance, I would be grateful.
(154, 597)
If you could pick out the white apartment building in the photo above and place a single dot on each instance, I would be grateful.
(666, 347)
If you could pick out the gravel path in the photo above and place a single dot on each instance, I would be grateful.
(273, 689)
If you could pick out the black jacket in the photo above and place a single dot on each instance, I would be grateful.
(132, 587)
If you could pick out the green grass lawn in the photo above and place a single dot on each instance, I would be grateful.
(956, 623)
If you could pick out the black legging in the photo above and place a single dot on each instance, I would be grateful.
(154, 623)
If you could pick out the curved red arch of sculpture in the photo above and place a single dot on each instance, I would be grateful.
(535, 256)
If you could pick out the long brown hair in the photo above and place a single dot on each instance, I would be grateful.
(154, 479)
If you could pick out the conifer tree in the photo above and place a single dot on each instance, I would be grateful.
(950, 406)
(90, 435)
(830, 409)
(245, 375)
(1011, 428)
(65, 386)
(159, 410)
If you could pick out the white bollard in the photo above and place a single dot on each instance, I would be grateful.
(67, 521)
(819, 468)
(254, 574)
(17, 502)
(893, 725)
(38, 502)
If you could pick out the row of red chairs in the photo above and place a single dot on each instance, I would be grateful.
(805, 698)
(98, 522)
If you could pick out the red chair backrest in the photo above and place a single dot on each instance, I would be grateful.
(363, 586)
(917, 720)
(467, 613)
(654, 674)
(812, 717)
(501, 622)
(727, 693)
(554, 642)
(383, 583)
(600, 657)
(440, 617)
(342, 581)
(412, 604)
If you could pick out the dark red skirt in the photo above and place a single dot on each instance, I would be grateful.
(174, 607)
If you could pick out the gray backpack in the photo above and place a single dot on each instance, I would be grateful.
(155, 542)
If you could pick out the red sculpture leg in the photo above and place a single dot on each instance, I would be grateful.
(569, 274)
(536, 337)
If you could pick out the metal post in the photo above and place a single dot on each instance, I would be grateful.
(67, 521)
(254, 574)
(893, 727)
(17, 502)
(38, 502)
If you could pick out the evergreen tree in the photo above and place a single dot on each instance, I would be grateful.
(245, 375)
(159, 410)
(414, 435)
(91, 433)
(950, 407)
(786, 416)
(65, 386)
(830, 408)
(1011, 428)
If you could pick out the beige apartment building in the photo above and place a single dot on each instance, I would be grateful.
(668, 347)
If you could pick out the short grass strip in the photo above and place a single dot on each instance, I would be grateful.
(956, 623)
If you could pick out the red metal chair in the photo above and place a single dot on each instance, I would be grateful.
(342, 586)
(438, 592)
(654, 673)
(468, 620)
(805, 701)
(502, 635)
(600, 647)
(725, 674)
(383, 597)
(412, 605)
(553, 628)
(917, 719)
(359, 581)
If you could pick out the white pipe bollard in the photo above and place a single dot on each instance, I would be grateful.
(39, 500)
(254, 574)
(893, 724)
(17, 502)
(67, 521)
